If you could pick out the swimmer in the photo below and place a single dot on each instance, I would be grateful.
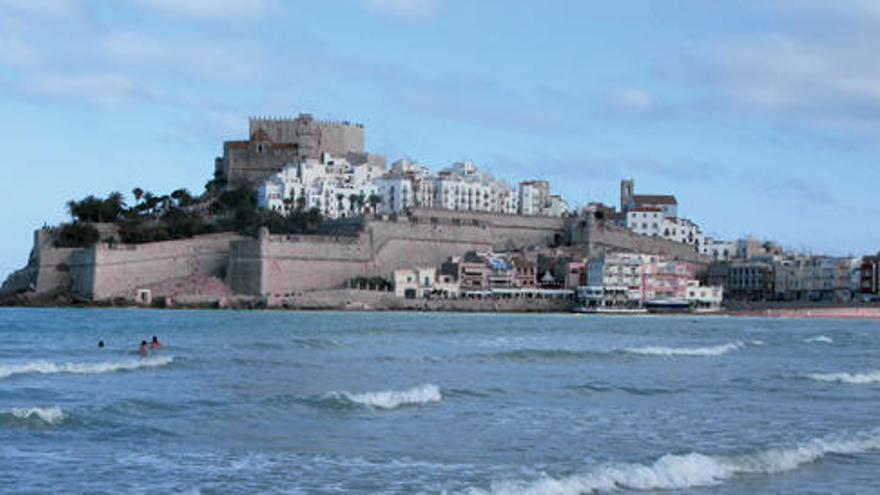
(143, 350)
(100, 344)
(155, 343)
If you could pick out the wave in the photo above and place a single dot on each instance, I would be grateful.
(820, 339)
(693, 470)
(392, 399)
(48, 367)
(850, 378)
(540, 354)
(716, 350)
(593, 388)
(48, 415)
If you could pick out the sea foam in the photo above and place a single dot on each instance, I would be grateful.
(392, 399)
(49, 415)
(48, 367)
(822, 339)
(850, 378)
(681, 472)
(715, 350)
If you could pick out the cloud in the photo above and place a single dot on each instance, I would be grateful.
(405, 8)
(825, 74)
(209, 9)
(103, 89)
(634, 100)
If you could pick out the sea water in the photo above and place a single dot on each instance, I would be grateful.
(294, 402)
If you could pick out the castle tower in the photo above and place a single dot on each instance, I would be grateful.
(627, 190)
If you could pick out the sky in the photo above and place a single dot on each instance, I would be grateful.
(761, 117)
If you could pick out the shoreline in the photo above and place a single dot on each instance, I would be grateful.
(845, 312)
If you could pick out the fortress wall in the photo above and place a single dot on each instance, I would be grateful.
(54, 265)
(280, 265)
(604, 237)
(339, 139)
(102, 272)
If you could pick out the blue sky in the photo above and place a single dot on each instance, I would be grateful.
(762, 117)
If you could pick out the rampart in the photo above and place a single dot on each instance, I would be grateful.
(283, 265)
(104, 271)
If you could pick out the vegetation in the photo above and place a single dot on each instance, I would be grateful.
(180, 215)
(77, 235)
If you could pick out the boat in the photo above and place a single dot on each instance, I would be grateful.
(668, 306)
(609, 311)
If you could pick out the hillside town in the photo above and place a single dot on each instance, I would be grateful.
(298, 190)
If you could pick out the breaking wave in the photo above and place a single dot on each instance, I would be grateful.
(392, 399)
(679, 472)
(716, 350)
(47, 415)
(820, 339)
(851, 378)
(48, 367)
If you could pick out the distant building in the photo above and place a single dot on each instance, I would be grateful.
(275, 142)
(332, 185)
(666, 204)
(869, 277)
(414, 283)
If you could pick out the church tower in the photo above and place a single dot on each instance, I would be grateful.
(627, 189)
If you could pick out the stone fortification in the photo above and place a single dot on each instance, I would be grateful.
(104, 271)
(275, 142)
(282, 265)
(598, 237)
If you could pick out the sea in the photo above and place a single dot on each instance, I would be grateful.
(410, 403)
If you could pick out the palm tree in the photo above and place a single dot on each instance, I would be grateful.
(353, 201)
(339, 198)
(138, 194)
(374, 200)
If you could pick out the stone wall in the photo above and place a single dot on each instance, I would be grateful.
(283, 265)
(599, 237)
(103, 272)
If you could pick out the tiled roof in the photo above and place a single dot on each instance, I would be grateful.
(654, 199)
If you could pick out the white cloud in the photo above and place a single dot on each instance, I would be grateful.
(634, 100)
(104, 89)
(209, 9)
(405, 8)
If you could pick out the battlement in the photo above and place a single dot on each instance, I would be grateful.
(301, 118)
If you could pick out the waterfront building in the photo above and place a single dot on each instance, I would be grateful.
(718, 250)
(414, 283)
(869, 277)
(750, 279)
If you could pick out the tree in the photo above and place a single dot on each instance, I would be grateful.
(353, 202)
(339, 198)
(183, 197)
(76, 235)
(374, 200)
(138, 193)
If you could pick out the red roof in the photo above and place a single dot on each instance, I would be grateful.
(654, 199)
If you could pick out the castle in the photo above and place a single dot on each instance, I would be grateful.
(275, 142)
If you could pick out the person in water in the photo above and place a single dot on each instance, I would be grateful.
(143, 350)
(100, 344)
(155, 343)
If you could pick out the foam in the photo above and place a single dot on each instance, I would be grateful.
(716, 350)
(392, 399)
(50, 415)
(849, 378)
(48, 367)
(820, 339)
(693, 470)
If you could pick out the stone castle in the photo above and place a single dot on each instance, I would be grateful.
(275, 142)
(278, 266)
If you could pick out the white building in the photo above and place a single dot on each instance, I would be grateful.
(654, 222)
(332, 185)
(414, 283)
